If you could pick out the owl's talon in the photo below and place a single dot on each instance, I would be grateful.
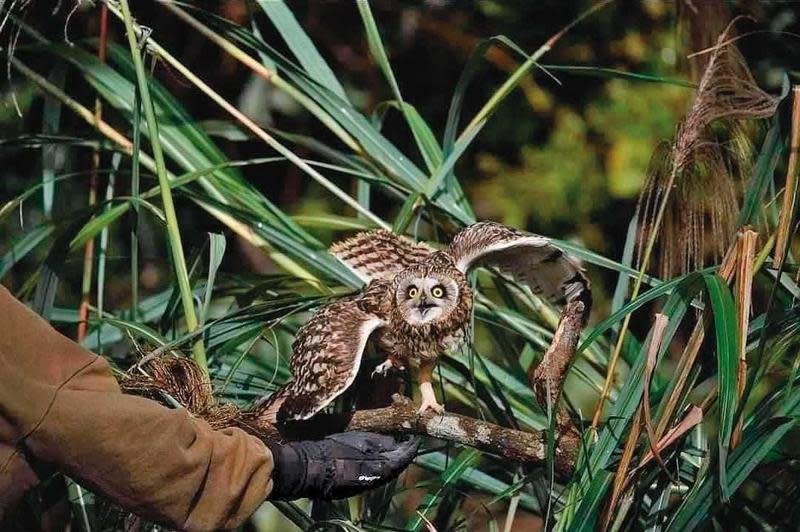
(383, 368)
(429, 400)
(430, 405)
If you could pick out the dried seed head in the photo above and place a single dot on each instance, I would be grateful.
(691, 195)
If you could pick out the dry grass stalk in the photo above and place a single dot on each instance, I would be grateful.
(621, 478)
(659, 326)
(744, 288)
(790, 191)
(88, 253)
(692, 180)
(693, 417)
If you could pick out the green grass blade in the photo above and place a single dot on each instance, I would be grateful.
(465, 460)
(301, 46)
(432, 188)
(216, 250)
(646, 297)
(762, 173)
(176, 245)
(102, 250)
(602, 72)
(51, 120)
(407, 212)
(375, 145)
(623, 281)
(334, 222)
(756, 443)
(630, 395)
(426, 143)
(725, 313)
(586, 514)
(24, 245)
(426, 140)
(135, 193)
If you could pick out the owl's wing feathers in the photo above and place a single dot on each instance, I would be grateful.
(326, 356)
(379, 254)
(531, 259)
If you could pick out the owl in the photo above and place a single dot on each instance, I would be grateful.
(416, 304)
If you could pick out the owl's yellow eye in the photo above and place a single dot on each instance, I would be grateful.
(413, 291)
(437, 292)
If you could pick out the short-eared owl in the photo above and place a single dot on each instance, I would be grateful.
(416, 304)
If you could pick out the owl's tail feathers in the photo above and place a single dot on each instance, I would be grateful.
(268, 407)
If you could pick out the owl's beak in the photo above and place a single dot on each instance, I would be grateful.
(424, 306)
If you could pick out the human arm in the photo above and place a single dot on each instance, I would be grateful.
(60, 404)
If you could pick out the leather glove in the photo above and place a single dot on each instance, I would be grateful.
(339, 466)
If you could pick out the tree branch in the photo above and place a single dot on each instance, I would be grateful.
(547, 379)
(401, 417)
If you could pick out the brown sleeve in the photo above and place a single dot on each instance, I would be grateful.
(62, 405)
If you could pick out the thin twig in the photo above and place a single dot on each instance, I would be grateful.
(88, 252)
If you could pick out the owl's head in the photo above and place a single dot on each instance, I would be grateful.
(429, 291)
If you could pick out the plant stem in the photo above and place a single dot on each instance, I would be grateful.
(790, 191)
(135, 170)
(173, 231)
(648, 251)
(88, 252)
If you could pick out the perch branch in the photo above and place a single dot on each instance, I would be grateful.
(402, 418)
(547, 379)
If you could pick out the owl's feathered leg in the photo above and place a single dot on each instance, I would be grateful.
(426, 389)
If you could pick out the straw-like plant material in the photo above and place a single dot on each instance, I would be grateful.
(783, 231)
(690, 199)
(180, 379)
(744, 298)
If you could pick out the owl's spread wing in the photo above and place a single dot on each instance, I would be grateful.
(326, 356)
(379, 254)
(531, 259)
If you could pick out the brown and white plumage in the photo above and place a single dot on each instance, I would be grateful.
(416, 305)
(326, 356)
(530, 259)
(379, 254)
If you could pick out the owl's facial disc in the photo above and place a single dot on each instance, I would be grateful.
(427, 299)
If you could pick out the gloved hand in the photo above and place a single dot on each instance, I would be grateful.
(341, 465)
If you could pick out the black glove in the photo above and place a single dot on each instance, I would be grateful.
(341, 465)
